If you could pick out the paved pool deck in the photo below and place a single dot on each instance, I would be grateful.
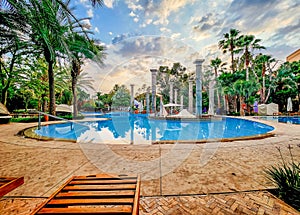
(167, 170)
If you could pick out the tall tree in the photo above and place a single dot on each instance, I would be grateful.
(81, 49)
(47, 22)
(229, 43)
(216, 64)
(248, 44)
(263, 63)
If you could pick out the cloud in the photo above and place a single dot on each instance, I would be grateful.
(148, 21)
(83, 1)
(133, 6)
(165, 30)
(167, 7)
(287, 33)
(119, 38)
(90, 12)
(87, 24)
(132, 14)
(158, 10)
(108, 3)
(96, 30)
(206, 23)
(175, 35)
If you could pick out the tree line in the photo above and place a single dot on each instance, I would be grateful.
(43, 46)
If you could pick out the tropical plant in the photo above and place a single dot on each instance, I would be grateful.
(216, 64)
(121, 98)
(81, 48)
(287, 179)
(47, 24)
(263, 65)
(229, 43)
(285, 85)
(12, 55)
(246, 42)
(244, 89)
(177, 75)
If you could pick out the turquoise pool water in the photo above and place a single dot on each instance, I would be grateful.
(137, 128)
(282, 119)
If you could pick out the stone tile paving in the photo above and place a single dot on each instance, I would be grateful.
(180, 169)
(235, 203)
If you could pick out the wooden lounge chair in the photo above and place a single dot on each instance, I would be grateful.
(95, 194)
(7, 184)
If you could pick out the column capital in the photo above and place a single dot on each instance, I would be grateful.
(153, 70)
(198, 61)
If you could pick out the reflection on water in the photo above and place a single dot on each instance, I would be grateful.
(135, 128)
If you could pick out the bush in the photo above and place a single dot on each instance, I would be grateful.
(287, 179)
(26, 119)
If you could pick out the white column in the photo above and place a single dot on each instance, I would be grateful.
(154, 72)
(175, 95)
(211, 95)
(198, 63)
(190, 108)
(131, 97)
(148, 100)
(181, 102)
(171, 92)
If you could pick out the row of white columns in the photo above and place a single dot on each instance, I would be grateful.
(198, 64)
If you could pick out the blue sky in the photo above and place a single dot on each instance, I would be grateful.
(143, 34)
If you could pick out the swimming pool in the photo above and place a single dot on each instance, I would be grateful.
(137, 128)
(282, 119)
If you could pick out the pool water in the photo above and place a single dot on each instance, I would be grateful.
(137, 128)
(282, 119)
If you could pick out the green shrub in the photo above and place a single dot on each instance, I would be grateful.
(26, 119)
(287, 179)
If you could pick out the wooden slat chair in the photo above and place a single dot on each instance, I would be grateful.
(95, 194)
(8, 184)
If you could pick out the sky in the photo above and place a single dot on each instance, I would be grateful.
(140, 35)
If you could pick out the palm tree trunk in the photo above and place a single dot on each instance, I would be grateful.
(247, 61)
(50, 62)
(51, 88)
(232, 61)
(242, 112)
(219, 99)
(74, 73)
(75, 111)
(226, 104)
(218, 95)
(264, 90)
(3, 96)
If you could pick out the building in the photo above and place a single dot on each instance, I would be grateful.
(295, 56)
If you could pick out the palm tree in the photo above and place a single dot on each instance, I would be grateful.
(230, 44)
(245, 42)
(243, 89)
(216, 63)
(81, 48)
(46, 24)
(263, 63)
